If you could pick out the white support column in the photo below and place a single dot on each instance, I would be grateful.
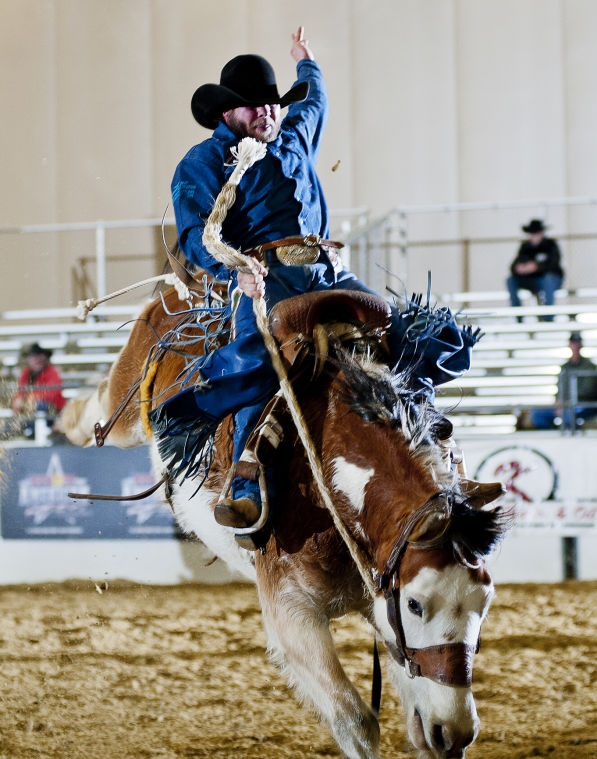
(100, 260)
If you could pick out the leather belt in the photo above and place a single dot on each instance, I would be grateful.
(293, 251)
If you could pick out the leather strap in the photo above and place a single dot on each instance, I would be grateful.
(101, 431)
(135, 497)
(376, 680)
(307, 240)
(449, 664)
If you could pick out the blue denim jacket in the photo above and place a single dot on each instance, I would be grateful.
(280, 196)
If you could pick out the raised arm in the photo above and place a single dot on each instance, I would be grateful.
(309, 116)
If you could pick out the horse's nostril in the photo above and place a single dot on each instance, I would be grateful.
(438, 733)
(448, 738)
(456, 742)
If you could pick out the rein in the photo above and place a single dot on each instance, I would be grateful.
(450, 663)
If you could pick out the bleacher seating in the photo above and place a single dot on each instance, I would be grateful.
(83, 351)
(515, 366)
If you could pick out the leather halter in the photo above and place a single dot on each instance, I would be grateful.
(449, 664)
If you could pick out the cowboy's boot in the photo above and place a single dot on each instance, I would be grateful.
(243, 508)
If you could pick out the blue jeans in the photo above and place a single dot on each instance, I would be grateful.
(240, 379)
(544, 418)
(544, 286)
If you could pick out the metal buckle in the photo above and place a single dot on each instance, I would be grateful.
(298, 255)
(411, 668)
(311, 240)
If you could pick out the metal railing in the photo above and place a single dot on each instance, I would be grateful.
(343, 222)
(379, 252)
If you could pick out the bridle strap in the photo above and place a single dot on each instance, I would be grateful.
(101, 430)
(450, 663)
(134, 497)
(395, 556)
(376, 680)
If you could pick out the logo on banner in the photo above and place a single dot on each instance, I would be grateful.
(527, 474)
(150, 509)
(44, 497)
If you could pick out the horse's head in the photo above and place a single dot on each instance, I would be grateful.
(427, 539)
(435, 595)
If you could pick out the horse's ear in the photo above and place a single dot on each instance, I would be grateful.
(479, 494)
(430, 527)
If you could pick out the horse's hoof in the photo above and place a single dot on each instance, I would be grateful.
(238, 512)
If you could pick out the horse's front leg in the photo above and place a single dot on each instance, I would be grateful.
(300, 642)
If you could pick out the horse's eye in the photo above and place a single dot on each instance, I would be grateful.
(415, 607)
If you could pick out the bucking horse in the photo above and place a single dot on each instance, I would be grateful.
(402, 542)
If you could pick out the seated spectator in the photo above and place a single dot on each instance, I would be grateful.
(39, 389)
(585, 391)
(536, 267)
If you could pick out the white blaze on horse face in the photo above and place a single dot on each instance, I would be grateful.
(443, 606)
(351, 480)
(438, 607)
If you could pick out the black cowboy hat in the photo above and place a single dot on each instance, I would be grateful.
(575, 337)
(247, 80)
(35, 349)
(534, 226)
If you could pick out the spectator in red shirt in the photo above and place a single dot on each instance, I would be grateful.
(40, 386)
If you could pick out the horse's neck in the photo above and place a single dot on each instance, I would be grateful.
(379, 480)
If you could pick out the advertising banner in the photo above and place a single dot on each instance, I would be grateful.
(551, 480)
(35, 503)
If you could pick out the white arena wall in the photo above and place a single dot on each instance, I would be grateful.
(548, 465)
(442, 101)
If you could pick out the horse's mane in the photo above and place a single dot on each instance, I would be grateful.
(382, 396)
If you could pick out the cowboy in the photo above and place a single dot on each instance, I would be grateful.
(536, 267)
(279, 198)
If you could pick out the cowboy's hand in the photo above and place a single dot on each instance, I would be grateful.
(252, 284)
(300, 46)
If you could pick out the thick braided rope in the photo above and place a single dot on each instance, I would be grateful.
(247, 153)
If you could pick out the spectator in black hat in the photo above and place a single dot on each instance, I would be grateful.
(536, 267)
(577, 384)
(40, 388)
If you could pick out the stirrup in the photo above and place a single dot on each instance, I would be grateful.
(268, 434)
(242, 534)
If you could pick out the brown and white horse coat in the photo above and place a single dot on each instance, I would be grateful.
(382, 458)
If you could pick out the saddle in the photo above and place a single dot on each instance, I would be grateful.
(309, 318)
(297, 324)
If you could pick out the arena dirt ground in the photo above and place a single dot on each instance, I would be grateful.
(136, 672)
